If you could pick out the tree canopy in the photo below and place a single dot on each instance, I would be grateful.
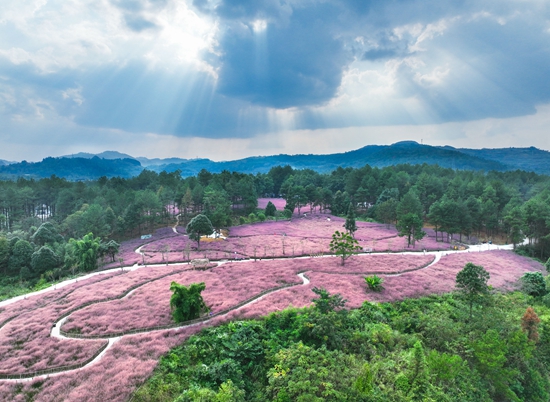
(186, 302)
(199, 226)
(472, 282)
(343, 245)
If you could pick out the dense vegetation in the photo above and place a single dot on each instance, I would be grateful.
(462, 205)
(428, 349)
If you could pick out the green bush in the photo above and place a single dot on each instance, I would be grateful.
(374, 283)
(533, 284)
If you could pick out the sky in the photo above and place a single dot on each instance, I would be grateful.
(226, 79)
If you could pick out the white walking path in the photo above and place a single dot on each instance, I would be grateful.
(55, 332)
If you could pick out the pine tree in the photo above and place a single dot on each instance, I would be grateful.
(350, 225)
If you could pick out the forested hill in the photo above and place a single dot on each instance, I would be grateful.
(529, 159)
(373, 155)
(84, 166)
(73, 169)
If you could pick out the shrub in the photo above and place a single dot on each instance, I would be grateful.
(374, 283)
(261, 216)
(186, 302)
(270, 209)
(533, 284)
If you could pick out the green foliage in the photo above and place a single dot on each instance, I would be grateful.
(199, 226)
(86, 252)
(4, 254)
(186, 302)
(533, 284)
(261, 216)
(547, 265)
(46, 234)
(344, 245)
(364, 382)
(409, 217)
(326, 302)
(270, 209)
(350, 225)
(366, 354)
(301, 373)
(43, 260)
(21, 256)
(472, 282)
(110, 249)
(374, 283)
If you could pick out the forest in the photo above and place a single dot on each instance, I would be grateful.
(426, 349)
(53, 228)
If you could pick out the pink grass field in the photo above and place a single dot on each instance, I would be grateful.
(300, 236)
(25, 343)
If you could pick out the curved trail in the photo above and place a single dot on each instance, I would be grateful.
(55, 332)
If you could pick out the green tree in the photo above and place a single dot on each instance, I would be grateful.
(302, 373)
(45, 259)
(326, 302)
(86, 252)
(46, 234)
(419, 379)
(344, 245)
(514, 222)
(217, 207)
(350, 224)
(386, 212)
(490, 352)
(110, 248)
(533, 284)
(186, 302)
(270, 209)
(199, 226)
(21, 255)
(472, 282)
(4, 254)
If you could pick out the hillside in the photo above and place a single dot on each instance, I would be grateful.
(373, 155)
(72, 168)
(84, 166)
(529, 159)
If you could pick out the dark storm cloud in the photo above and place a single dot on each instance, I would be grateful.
(294, 64)
(489, 59)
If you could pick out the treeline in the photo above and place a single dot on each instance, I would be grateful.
(510, 205)
(461, 204)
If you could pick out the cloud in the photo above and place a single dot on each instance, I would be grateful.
(291, 65)
(241, 69)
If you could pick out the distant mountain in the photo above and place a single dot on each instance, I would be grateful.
(103, 155)
(374, 155)
(530, 159)
(73, 168)
(90, 166)
(156, 161)
(3, 162)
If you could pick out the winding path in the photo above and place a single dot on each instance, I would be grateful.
(57, 333)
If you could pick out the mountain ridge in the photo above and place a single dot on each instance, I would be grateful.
(86, 166)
